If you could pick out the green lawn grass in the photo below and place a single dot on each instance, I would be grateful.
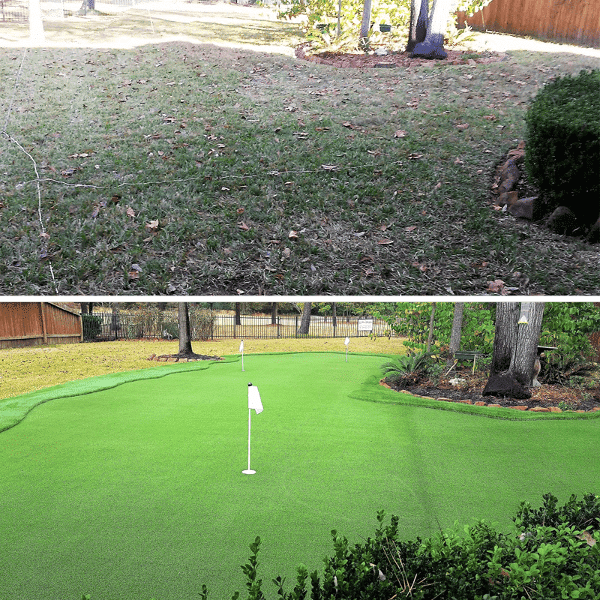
(136, 491)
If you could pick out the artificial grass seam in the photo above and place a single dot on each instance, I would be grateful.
(85, 386)
(366, 394)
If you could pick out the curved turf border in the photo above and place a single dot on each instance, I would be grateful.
(14, 410)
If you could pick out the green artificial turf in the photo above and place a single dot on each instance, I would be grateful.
(136, 491)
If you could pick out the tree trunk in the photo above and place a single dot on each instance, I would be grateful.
(238, 313)
(433, 44)
(505, 336)
(274, 313)
(87, 308)
(305, 321)
(185, 332)
(528, 339)
(334, 315)
(418, 23)
(36, 24)
(459, 309)
(431, 320)
(512, 376)
(114, 320)
(366, 23)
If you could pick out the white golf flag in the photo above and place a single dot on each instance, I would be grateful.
(254, 399)
(242, 346)
(347, 341)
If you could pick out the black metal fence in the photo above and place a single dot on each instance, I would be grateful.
(206, 325)
(14, 11)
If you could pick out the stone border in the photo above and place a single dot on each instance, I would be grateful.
(561, 221)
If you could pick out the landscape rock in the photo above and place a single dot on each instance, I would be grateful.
(524, 208)
(555, 409)
(479, 403)
(594, 234)
(457, 381)
(507, 198)
(509, 175)
(519, 407)
(562, 220)
(540, 409)
(505, 386)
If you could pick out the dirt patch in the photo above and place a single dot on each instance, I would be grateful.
(544, 397)
(396, 59)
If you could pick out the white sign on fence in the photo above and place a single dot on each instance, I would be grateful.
(365, 325)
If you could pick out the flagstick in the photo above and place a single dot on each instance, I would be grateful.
(249, 471)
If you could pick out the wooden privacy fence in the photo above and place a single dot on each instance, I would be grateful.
(37, 323)
(574, 21)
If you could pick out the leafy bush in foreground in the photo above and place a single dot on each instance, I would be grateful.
(553, 554)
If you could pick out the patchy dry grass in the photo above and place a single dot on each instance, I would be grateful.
(189, 168)
(24, 370)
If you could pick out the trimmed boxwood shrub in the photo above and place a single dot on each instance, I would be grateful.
(562, 154)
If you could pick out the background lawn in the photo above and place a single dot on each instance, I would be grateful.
(136, 491)
(175, 166)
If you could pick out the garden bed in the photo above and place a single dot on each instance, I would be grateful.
(547, 398)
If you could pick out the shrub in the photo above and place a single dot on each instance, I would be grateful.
(563, 144)
(92, 327)
(579, 514)
(414, 366)
(202, 324)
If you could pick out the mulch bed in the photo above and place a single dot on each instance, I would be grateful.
(395, 59)
(179, 358)
(545, 396)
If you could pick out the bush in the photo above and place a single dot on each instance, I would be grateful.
(92, 327)
(202, 324)
(413, 366)
(555, 558)
(582, 514)
(563, 144)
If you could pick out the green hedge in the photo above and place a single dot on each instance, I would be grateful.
(562, 153)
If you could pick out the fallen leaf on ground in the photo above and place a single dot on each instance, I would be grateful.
(385, 242)
(243, 226)
(400, 133)
(293, 235)
(411, 228)
(496, 287)
(130, 212)
(152, 225)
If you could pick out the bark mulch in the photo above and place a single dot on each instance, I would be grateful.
(396, 59)
(544, 397)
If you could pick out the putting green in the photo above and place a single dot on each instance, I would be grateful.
(137, 492)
